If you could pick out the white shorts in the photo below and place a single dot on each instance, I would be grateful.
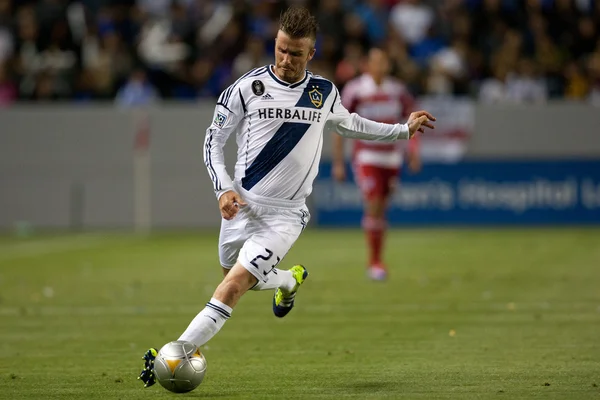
(260, 236)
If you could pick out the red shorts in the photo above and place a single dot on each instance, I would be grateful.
(376, 182)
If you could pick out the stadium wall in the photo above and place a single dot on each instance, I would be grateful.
(79, 167)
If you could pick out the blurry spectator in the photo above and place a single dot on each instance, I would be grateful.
(5, 13)
(355, 30)
(374, 16)
(331, 21)
(526, 86)
(585, 38)
(577, 86)
(8, 91)
(106, 61)
(253, 56)
(594, 70)
(60, 49)
(6, 36)
(493, 89)
(351, 65)
(412, 20)
(403, 66)
(448, 69)
(206, 79)
(6, 44)
(158, 47)
(137, 91)
(261, 22)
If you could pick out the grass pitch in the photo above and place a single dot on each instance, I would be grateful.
(466, 314)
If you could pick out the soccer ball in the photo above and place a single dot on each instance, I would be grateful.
(179, 366)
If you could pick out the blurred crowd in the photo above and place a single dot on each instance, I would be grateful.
(141, 51)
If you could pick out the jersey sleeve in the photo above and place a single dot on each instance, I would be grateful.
(351, 125)
(229, 112)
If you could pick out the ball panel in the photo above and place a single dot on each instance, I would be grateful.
(180, 367)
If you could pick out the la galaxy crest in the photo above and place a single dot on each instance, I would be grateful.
(316, 97)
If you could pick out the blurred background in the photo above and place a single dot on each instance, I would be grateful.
(104, 105)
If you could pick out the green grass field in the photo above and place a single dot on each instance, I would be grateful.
(466, 314)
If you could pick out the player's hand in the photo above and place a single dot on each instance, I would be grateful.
(229, 204)
(339, 172)
(418, 121)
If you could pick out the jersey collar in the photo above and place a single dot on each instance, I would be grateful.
(290, 85)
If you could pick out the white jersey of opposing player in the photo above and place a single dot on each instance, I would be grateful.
(279, 132)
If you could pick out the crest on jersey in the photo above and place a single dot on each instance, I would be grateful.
(316, 98)
(220, 119)
(258, 88)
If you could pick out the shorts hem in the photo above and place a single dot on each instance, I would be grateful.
(253, 271)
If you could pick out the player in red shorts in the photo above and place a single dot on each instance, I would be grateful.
(377, 96)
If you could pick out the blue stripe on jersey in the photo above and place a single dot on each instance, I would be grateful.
(315, 93)
(276, 149)
(208, 162)
(227, 93)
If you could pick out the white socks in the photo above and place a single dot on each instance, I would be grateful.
(212, 318)
(207, 323)
(278, 278)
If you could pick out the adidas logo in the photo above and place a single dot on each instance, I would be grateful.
(267, 97)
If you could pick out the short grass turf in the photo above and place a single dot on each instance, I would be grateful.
(466, 314)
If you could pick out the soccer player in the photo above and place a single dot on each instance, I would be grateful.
(376, 165)
(278, 114)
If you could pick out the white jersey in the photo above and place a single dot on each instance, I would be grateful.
(279, 133)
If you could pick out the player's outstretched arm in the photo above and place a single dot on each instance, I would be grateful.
(357, 127)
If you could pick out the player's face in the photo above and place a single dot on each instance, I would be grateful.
(291, 56)
(378, 64)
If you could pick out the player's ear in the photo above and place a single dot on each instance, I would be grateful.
(311, 53)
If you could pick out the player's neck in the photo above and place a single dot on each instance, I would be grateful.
(291, 81)
(377, 79)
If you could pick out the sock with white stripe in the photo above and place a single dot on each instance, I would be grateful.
(278, 278)
(207, 323)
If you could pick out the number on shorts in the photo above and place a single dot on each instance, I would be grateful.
(267, 257)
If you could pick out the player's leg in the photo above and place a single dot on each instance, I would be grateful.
(231, 238)
(236, 281)
(211, 319)
(273, 240)
(374, 226)
(270, 239)
(386, 183)
(373, 223)
(218, 310)
(380, 183)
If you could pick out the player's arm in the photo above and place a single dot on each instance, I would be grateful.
(229, 112)
(354, 126)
